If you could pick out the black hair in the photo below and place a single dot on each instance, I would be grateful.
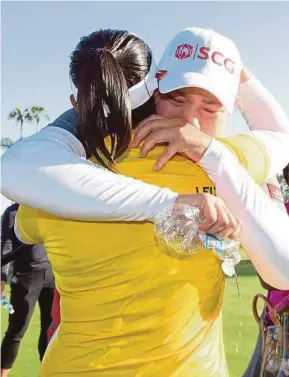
(103, 66)
(144, 111)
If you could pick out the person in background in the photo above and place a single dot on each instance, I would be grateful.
(32, 281)
(279, 299)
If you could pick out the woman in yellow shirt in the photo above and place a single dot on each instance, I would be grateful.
(127, 309)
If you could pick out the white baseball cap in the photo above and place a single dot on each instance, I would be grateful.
(203, 59)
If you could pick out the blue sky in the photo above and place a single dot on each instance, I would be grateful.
(37, 38)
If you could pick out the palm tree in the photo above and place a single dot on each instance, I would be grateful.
(30, 114)
(19, 116)
(36, 113)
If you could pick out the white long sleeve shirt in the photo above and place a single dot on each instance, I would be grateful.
(48, 170)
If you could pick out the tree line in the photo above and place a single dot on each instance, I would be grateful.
(31, 115)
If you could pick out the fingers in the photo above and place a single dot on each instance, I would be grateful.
(151, 140)
(151, 124)
(143, 132)
(220, 222)
(216, 218)
(158, 137)
(227, 226)
(231, 231)
(145, 127)
(237, 234)
(209, 215)
(148, 119)
(168, 153)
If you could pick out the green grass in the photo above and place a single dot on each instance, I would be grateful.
(27, 363)
(240, 328)
(235, 320)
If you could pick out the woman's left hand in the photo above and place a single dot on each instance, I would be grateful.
(180, 137)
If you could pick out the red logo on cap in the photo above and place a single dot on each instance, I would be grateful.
(161, 74)
(184, 51)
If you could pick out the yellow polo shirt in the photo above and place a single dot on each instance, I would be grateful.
(127, 309)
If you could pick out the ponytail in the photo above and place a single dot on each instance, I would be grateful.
(103, 66)
(103, 105)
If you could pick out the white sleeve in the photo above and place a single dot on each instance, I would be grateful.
(266, 226)
(268, 122)
(48, 170)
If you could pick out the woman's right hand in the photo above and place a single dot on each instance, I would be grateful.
(216, 218)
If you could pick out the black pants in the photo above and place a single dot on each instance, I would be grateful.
(26, 289)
